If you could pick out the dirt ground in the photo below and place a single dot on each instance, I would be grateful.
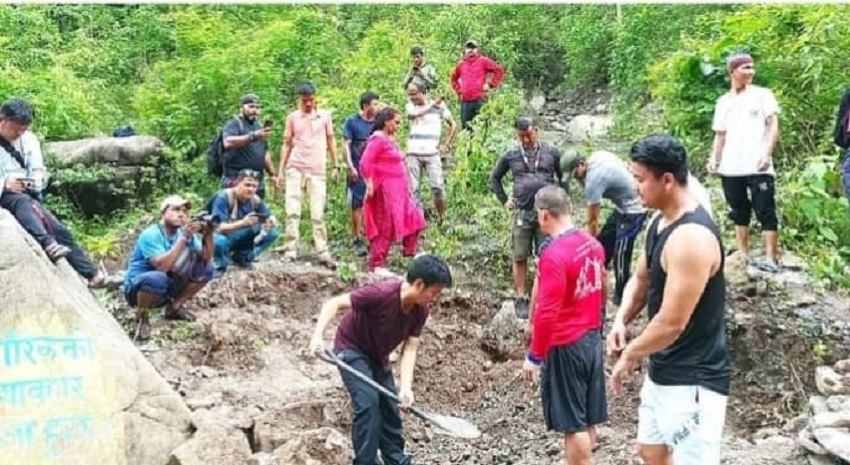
(245, 357)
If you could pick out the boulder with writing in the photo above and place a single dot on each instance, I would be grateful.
(106, 173)
(73, 388)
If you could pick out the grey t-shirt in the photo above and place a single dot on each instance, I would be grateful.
(607, 177)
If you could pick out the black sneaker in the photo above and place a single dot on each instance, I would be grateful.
(521, 307)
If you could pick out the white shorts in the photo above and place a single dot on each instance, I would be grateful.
(687, 419)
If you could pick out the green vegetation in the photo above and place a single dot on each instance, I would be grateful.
(176, 72)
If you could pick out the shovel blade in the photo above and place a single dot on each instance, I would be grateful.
(453, 426)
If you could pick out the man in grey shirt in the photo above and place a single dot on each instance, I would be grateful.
(420, 73)
(604, 175)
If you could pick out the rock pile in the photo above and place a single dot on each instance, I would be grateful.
(826, 432)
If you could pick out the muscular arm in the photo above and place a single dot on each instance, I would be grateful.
(237, 142)
(689, 258)
(407, 363)
(331, 308)
(166, 261)
(634, 294)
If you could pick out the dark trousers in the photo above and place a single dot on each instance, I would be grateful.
(746, 195)
(468, 111)
(618, 237)
(46, 229)
(377, 423)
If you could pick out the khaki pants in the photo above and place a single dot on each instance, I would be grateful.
(316, 186)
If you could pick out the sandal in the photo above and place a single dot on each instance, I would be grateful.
(180, 314)
(56, 251)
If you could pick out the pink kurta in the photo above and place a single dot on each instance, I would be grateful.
(390, 211)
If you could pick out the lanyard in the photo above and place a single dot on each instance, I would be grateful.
(536, 157)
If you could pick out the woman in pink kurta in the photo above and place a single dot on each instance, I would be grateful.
(389, 211)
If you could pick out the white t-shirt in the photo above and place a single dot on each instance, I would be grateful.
(743, 117)
(425, 131)
(699, 193)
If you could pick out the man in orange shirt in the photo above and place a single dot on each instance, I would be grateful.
(308, 137)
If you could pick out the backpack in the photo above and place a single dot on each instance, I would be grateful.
(232, 205)
(215, 152)
(124, 131)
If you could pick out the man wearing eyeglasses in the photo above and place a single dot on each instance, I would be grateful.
(308, 137)
(246, 144)
(534, 165)
(246, 227)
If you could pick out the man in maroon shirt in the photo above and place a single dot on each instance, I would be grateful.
(565, 339)
(471, 79)
(382, 316)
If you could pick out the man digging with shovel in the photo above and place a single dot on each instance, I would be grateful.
(382, 316)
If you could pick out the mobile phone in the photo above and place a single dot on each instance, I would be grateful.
(268, 123)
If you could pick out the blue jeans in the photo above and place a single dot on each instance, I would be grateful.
(166, 286)
(240, 245)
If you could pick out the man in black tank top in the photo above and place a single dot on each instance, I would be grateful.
(680, 280)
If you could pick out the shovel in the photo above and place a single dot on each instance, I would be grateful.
(450, 426)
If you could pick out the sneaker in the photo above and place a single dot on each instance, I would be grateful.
(768, 265)
(56, 251)
(384, 272)
(360, 248)
(521, 307)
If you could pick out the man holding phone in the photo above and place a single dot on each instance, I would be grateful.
(245, 226)
(246, 144)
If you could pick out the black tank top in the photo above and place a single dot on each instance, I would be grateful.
(699, 356)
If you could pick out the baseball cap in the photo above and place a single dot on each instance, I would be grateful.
(471, 44)
(569, 163)
(173, 201)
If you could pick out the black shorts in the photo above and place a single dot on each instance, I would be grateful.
(572, 386)
(746, 195)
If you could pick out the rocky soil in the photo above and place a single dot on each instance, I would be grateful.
(257, 399)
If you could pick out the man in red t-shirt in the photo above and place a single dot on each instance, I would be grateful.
(471, 79)
(567, 321)
(382, 316)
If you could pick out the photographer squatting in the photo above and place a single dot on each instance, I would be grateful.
(243, 224)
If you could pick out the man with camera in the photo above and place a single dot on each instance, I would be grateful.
(246, 144)
(24, 177)
(168, 265)
(243, 223)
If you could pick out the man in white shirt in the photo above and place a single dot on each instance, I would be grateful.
(424, 147)
(746, 128)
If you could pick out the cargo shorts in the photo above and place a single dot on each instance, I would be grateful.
(525, 234)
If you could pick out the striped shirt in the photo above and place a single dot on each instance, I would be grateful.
(607, 177)
(425, 131)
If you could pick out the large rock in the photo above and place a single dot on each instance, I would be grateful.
(588, 127)
(73, 388)
(830, 383)
(127, 160)
(835, 440)
(504, 336)
(213, 444)
(325, 446)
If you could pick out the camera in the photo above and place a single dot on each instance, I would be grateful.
(207, 219)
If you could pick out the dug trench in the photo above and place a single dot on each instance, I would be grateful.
(242, 369)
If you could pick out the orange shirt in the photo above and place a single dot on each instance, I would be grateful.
(309, 133)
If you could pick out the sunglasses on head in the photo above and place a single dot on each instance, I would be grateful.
(248, 174)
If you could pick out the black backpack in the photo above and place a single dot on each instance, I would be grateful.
(215, 152)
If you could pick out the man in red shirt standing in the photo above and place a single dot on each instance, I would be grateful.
(379, 317)
(567, 321)
(471, 79)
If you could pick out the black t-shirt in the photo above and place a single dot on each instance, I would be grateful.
(251, 156)
(699, 356)
(531, 171)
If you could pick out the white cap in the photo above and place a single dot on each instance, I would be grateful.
(173, 201)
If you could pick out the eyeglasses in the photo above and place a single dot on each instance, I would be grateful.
(246, 173)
